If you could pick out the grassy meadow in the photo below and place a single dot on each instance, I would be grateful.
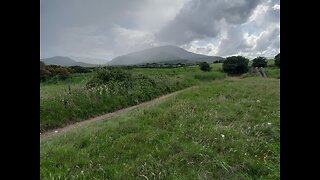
(222, 129)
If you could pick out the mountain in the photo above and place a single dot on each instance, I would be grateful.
(162, 54)
(65, 61)
(88, 60)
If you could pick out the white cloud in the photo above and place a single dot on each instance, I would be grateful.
(276, 7)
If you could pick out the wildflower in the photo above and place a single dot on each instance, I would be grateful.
(222, 135)
(269, 124)
(258, 101)
(55, 131)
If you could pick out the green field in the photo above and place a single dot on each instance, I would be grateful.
(223, 129)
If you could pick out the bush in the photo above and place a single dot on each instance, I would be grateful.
(235, 65)
(44, 74)
(111, 76)
(259, 62)
(277, 60)
(48, 72)
(79, 69)
(204, 66)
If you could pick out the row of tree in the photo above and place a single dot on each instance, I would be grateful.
(239, 64)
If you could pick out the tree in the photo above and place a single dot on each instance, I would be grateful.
(277, 60)
(79, 69)
(259, 62)
(235, 65)
(204, 66)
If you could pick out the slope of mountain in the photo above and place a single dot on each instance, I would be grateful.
(89, 60)
(65, 61)
(162, 54)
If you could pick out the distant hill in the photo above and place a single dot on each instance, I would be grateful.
(65, 61)
(163, 54)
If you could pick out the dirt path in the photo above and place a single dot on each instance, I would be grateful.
(70, 127)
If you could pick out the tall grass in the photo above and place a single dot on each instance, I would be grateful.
(62, 104)
(212, 75)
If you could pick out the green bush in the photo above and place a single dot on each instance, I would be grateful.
(111, 77)
(204, 66)
(235, 65)
(277, 60)
(259, 62)
(48, 72)
(79, 69)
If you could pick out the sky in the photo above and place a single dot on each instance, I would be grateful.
(99, 30)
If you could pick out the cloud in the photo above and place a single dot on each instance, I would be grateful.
(202, 19)
(105, 29)
(101, 28)
(259, 36)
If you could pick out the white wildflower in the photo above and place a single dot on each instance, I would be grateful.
(222, 135)
(258, 101)
(269, 124)
(55, 131)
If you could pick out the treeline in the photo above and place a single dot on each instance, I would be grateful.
(56, 72)
(236, 65)
(163, 65)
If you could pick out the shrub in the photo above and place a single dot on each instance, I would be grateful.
(79, 69)
(235, 65)
(204, 66)
(110, 76)
(277, 60)
(44, 74)
(259, 62)
(48, 72)
(61, 72)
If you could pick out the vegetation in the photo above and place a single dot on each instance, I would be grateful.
(210, 75)
(84, 95)
(277, 60)
(80, 69)
(235, 65)
(107, 90)
(259, 62)
(204, 66)
(54, 73)
(220, 130)
(272, 72)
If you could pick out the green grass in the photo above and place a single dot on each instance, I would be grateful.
(272, 72)
(223, 129)
(211, 75)
(60, 106)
